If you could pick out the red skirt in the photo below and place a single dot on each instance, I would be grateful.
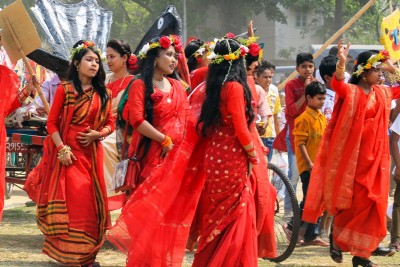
(229, 236)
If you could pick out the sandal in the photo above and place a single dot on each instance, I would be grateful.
(395, 245)
(336, 255)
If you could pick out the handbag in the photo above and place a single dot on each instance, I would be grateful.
(126, 174)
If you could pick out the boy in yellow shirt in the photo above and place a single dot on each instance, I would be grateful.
(308, 130)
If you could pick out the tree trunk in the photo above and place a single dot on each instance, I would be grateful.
(338, 16)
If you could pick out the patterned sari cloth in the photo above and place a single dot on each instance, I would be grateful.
(9, 85)
(228, 235)
(350, 178)
(71, 206)
(111, 155)
(154, 223)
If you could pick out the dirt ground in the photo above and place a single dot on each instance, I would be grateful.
(20, 245)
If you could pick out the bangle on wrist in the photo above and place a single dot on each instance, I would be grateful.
(338, 67)
(60, 147)
(251, 149)
(63, 151)
(167, 141)
(254, 160)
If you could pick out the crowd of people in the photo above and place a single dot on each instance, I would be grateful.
(200, 135)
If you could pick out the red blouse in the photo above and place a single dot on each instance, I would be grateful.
(233, 111)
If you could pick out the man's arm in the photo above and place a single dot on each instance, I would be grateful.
(394, 149)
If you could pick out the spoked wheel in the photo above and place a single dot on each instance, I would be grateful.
(285, 240)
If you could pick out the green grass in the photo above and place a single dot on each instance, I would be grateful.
(21, 243)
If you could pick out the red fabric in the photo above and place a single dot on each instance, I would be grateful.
(229, 235)
(9, 85)
(154, 224)
(198, 76)
(252, 85)
(294, 89)
(119, 85)
(78, 191)
(183, 68)
(116, 202)
(198, 93)
(264, 197)
(350, 178)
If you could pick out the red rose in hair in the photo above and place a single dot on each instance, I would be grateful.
(132, 62)
(178, 47)
(385, 53)
(165, 42)
(254, 49)
(157, 96)
(229, 35)
(177, 43)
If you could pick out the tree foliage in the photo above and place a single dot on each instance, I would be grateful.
(132, 18)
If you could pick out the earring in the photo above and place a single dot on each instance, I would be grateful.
(77, 68)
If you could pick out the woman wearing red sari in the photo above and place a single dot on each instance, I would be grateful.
(10, 100)
(72, 207)
(154, 223)
(121, 62)
(229, 235)
(350, 178)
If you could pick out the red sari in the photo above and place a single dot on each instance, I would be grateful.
(264, 191)
(154, 224)
(71, 207)
(350, 178)
(111, 155)
(9, 85)
(229, 235)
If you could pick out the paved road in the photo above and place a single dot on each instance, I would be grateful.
(18, 198)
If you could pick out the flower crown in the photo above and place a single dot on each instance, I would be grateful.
(372, 62)
(254, 48)
(84, 45)
(203, 49)
(217, 59)
(164, 42)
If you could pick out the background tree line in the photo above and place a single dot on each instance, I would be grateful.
(132, 18)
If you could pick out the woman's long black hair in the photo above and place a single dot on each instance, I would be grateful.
(210, 115)
(190, 50)
(97, 81)
(361, 59)
(146, 67)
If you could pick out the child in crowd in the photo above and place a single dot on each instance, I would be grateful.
(295, 105)
(265, 73)
(326, 70)
(308, 130)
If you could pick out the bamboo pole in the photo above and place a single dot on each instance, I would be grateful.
(24, 58)
(333, 38)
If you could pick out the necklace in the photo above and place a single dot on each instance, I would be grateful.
(89, 95)
(122, 79)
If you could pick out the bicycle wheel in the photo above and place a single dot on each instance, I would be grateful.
(9, 189)
(285, 241)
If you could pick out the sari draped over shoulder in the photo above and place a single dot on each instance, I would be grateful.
(350, 178)
(71, 206)
(154, 223)
(9, 85)
(111, 155)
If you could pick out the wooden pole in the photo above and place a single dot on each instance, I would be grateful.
(333, 38)
(24, 58)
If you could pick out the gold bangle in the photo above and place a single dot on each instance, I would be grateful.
(338, 67)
